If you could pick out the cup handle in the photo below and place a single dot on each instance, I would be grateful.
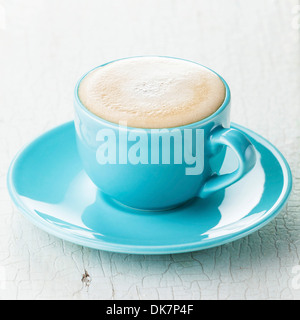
(243, 149)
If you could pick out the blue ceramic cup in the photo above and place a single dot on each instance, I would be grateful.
(159, 169)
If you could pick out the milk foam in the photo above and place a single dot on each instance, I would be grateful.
(152, 92)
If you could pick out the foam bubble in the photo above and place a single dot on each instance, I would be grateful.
(152, 92)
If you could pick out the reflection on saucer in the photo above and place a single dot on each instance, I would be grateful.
(47, 183)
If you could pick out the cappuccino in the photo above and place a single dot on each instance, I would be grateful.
(152, 92)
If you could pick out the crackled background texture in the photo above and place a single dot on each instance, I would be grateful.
(45, 46)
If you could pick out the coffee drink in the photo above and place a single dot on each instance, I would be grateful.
(152, 92)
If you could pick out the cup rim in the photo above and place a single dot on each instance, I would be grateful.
(112, 124)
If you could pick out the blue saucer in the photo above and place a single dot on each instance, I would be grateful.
(48, 185)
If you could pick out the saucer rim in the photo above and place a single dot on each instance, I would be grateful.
(99, 244)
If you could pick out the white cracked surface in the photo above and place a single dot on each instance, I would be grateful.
(45, 46)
